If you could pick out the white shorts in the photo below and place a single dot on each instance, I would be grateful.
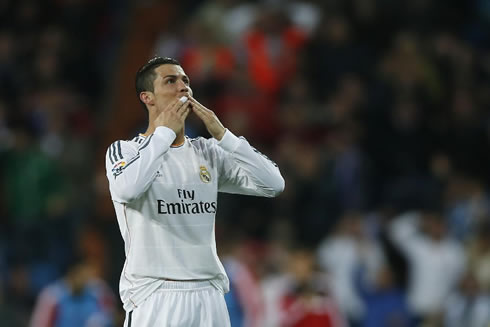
(181, 304)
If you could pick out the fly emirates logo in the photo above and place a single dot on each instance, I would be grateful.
(186, 206)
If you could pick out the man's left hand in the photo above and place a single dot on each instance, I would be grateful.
(209, 118)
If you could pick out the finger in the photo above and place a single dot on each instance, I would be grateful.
(201, 108)
(206, 113)
(172, 105)
(197, 103)
(197, 110)
(186, 112)
(200, 113)
(185, 109)
(178, 104)
(183, 99)
(182, 103)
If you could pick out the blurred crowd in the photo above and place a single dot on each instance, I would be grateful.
(376, 111)
(53, 61)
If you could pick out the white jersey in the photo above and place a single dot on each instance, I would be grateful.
(165, 202)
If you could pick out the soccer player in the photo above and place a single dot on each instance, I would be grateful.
(164, 187)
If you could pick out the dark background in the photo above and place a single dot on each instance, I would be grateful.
(370, 108)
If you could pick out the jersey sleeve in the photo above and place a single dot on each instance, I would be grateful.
(44, 313)
(244, 170)
(403, 232)
(132, 168)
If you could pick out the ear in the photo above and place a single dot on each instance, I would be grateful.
(147, 97)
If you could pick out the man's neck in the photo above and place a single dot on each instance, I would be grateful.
(179, 139)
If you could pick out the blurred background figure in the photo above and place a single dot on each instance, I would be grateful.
(469, 305)
(244, 301)
(80, 298)
(384, 300)
(345, 252)
(431, 253)
(479, 256)
(299, 295)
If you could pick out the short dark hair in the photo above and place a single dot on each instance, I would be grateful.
(146, 74)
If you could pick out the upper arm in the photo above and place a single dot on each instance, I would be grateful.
(44, 313)
(119, 155)
(132, 167)
(122, 181)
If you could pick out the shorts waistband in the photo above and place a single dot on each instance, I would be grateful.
(185, 285)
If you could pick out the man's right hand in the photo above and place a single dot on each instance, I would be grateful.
(174, 115)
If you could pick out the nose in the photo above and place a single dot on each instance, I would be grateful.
(183, 87)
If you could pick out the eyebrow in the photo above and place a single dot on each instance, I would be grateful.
(175, 76)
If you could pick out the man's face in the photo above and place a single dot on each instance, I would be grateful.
(170, 83)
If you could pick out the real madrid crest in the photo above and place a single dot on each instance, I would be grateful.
(204, 174)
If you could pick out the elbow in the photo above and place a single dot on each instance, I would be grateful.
(126, 197)
(125, 193)
(278, 186)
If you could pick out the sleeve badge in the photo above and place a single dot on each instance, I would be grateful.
(118, 168)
